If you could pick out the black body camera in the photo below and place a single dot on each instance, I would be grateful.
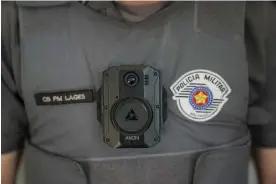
(131, 106)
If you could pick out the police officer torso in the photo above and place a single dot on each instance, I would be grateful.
(198, 48)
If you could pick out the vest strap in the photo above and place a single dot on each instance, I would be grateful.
(44, 167)
(219, 17)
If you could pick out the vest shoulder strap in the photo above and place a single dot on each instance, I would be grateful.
(220, 16)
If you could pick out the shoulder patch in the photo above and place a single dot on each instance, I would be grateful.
(200, 94)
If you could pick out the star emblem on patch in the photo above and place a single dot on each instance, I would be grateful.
(200, 94)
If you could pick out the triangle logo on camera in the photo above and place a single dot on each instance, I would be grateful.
(131, 115)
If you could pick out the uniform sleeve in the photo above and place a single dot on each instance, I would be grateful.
(260, 39)
(13, 116)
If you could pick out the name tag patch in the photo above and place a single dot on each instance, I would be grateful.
(66, 97)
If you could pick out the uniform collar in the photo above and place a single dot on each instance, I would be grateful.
(99, 5)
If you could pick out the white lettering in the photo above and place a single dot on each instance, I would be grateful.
(57, 98)
(82, 96)
(74, 97)
(132, 138)
(46, 99)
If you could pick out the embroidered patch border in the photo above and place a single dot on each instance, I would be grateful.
(200, 94)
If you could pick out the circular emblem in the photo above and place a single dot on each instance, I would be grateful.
(200, 94)
(200, 98)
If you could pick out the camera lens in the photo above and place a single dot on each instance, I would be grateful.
(131, 79)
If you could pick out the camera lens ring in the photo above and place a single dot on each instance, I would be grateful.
(131, 79)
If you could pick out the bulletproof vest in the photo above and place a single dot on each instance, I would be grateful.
(199, 49)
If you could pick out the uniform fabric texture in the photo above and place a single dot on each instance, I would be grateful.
(66, 47)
